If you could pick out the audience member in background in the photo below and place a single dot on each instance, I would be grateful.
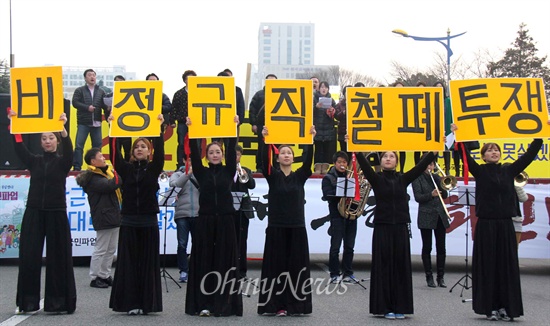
(88, 101)
(323, 120)
(179, 114)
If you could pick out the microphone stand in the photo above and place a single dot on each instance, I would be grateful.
(168, 200)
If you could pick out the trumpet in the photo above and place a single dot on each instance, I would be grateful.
(448, 182)
(163, 177)
(521, 179)
(243, 176)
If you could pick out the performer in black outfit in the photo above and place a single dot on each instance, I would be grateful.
(137, 283)
(245, 212)
(391, 276)
(46, 216)
(286, 251)
(496, 286)
(213, 287)
(431, 217)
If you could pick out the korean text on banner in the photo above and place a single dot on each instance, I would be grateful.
(37, 98)
(288, 111)
(212, 107)
(404, 119)
(498, 108)
(136, 107)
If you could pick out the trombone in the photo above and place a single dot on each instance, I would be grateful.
(448, 182)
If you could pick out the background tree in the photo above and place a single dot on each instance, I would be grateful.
(521, 60)
(410, 77)
(350, 77)
(4, 76)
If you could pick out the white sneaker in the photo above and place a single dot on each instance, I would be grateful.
(205, 313)
(334, 280)
(493, 315)
(183, 277)
(133, 312)
(503, 315)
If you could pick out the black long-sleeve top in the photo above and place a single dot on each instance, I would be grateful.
(390, 190)
(140, 184)
(286, 196)
(495, 193)
(48, 175)
(215, 181)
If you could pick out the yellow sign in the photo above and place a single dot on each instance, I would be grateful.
(399, 119)
(288, 111)
(212, 107)
(37, 98)
(136, 107)
(499, 108)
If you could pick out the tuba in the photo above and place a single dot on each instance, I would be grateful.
(350, 208)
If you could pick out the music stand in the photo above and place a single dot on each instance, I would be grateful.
(466, 197)
(167, 198)
(238, 197)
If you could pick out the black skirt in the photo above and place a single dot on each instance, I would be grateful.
(285, 282)
(391, 275)
(213, 283)
(495, 268)
(137, 281)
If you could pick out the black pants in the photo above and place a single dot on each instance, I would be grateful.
(60, 293)
(241, 227)
(345, 230)
(440, 234)
(324, 151)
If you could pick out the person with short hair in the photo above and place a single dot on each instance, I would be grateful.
(88, 101)
(102, 185)
(342, 228)
(179, 113)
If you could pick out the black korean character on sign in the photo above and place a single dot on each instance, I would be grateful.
(39, 94)
(216, 106)
(135, 93)
(478, 112)
(530, 97)
(412, 103)
(295, 116)
(373, 123)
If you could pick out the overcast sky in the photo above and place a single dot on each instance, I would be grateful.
(170, 36)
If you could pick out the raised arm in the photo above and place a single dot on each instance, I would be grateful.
(417, 170)
(231, 156)
(523, 162)
(157, 164)
(366, 168)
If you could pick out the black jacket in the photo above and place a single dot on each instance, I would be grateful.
(102, 197)
(82, 99)
(390, 190)
(323, 123)
(215, 181)
(256, 110)
(430, 209)
(140, 187)
(495, 193)
(48, 175)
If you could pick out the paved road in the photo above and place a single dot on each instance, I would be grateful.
(432, 306)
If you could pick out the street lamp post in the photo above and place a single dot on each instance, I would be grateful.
(440, 41)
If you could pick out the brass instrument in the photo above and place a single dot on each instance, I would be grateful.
(350, 208)
(521, 179)
(243, 176)
(448, 182)
(163, 177)
(443, 186)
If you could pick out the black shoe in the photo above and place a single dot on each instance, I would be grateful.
(430, 280)
(98, 283)
(441, 282)
(108, 280)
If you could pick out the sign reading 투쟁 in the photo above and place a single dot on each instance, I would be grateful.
(499, 108)
(400, 119)
(288, 111)
(212, 107)
(136, 107)
(37, 98)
